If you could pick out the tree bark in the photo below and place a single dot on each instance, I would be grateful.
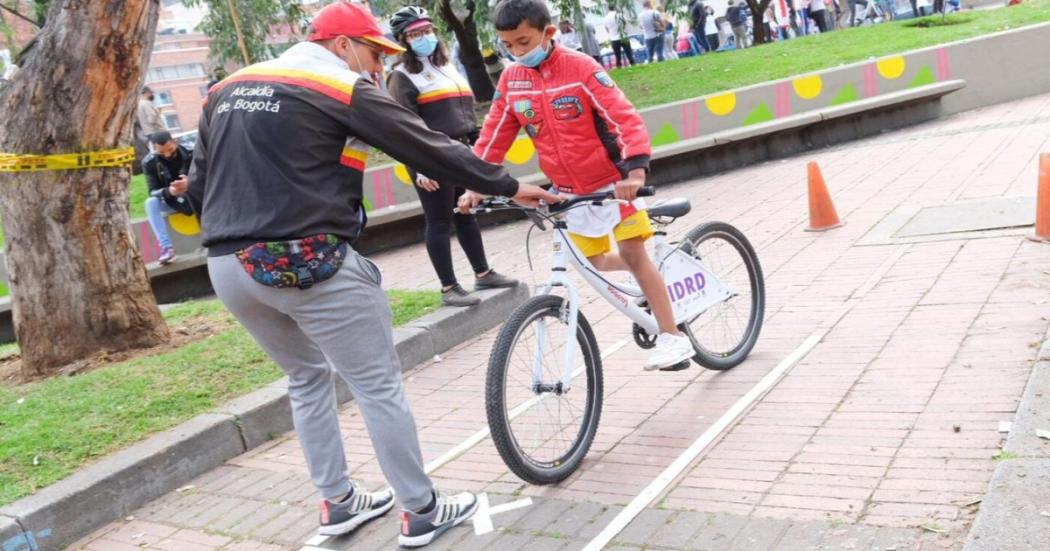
(758, 27)
(78, 284)
(466, 32)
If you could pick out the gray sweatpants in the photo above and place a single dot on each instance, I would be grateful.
(342, 325)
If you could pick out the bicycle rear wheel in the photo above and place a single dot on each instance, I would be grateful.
(724, 334)
(541, 430)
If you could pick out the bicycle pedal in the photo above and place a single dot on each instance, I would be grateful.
(678, 366)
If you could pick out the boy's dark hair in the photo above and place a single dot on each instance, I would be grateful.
(510, 13)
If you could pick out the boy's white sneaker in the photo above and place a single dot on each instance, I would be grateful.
(670, 350)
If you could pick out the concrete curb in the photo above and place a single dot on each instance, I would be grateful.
(1015, 512)
(105, 491)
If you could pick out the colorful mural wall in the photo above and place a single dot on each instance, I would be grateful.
(989, 64)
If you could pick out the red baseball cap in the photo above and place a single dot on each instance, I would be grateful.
(351, 20)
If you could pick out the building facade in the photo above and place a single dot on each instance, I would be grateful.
(178, 74)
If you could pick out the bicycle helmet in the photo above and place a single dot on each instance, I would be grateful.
(405, 17)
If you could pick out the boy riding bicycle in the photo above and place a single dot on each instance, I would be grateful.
(589, 139)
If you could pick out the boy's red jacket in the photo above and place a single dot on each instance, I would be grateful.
(587, 134)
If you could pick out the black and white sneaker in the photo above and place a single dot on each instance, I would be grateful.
(419, 529)
(340, 518)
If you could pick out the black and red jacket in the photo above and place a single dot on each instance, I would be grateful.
(282, 148)
(586, 132)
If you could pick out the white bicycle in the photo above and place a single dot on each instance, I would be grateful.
(541, 414)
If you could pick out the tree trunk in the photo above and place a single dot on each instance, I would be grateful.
(758, 27)
(78, 284)
(466, 32)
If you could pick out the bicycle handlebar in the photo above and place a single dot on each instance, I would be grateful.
(537, 218)
(644, 191)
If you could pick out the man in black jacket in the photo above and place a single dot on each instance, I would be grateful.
(277, 180)
(165, 170)
(698, 16)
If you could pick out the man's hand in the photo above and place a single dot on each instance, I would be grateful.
(527, 196)
(426, 183)
(469, 200)
(178, 187)
(627, 190)
(530, 196)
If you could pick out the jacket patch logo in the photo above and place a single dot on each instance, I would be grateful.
(525, 108)
(519, 84)
(567, 108)
(533, 130)
(604, 79)
(496, 95)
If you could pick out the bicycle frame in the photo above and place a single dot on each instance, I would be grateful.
(695, 289)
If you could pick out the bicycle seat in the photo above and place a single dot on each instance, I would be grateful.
(670, 208)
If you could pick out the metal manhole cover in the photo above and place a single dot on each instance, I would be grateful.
(969, 216)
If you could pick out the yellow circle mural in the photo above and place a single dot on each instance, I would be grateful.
(808, 87)
(184, 223)
(722, 104)
(402, 174)
(891, 68)
(521, 151)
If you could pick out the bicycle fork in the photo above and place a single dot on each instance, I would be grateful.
(570, 308)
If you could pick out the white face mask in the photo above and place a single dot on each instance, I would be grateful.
(375, 78)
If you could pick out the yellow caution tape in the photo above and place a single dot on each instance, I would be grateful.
(10, 162)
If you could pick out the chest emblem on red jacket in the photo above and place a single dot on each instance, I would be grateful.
(519, 84)
(567, 108)
(524, 107)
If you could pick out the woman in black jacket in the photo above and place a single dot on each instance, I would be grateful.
(425, 82)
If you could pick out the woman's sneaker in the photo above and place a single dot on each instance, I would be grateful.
(340, 518)
(419, 529)
(493, 280)
(458, 296)
(167, 256)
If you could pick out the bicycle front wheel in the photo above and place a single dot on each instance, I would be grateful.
(724, 334)
(542, 429)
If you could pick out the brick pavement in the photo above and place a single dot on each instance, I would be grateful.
(882, 437)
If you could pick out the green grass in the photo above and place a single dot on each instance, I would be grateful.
(137, 195)
(649, 85)
(409, 305)
(65, 422)
(1004, 455)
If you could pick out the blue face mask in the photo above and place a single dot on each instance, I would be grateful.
(424, 45)
(534, 57)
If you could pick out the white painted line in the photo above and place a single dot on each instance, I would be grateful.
(879, 273)
(510, 506)
(657, 486)
(482, 517)
(316, 540)
(476, 438)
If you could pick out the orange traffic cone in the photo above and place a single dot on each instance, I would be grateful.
(1042, 202)
(822, 215)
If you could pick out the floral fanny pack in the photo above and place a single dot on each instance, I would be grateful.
(301, 263)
